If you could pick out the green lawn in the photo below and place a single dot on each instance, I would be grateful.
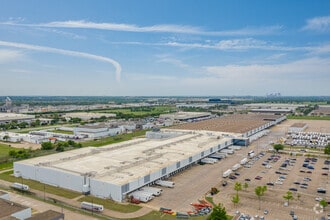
(5, 166)
(114, 139)
(4, 149)
(309, 117)
(141, 111)
(61, 131)
(40, 186)
(109, 204)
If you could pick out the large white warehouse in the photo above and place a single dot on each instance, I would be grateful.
(115, 170)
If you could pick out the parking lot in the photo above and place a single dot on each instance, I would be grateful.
(193, 183)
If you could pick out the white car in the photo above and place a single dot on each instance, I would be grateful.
(279, 183)
(318, 199)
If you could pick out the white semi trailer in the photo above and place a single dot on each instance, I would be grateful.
(236, 167)
(228, 151)
(20, 186)
(142, 196)
(244, 161)
(227, 173)
(155, 191)
(209, 160)
(164, 183)
(91, 206)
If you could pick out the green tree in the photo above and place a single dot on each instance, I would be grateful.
(323, 203)
(60, 148)
(245, 185)
(288, 196)
(6, 138)
(12, 153)
(71, 142)
(327, 150)
(235, 199)
(218, 213)
(47, 146)
(238, 187)
(278, 147)
(260, 191)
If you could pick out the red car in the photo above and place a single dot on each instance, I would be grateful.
(258, 177)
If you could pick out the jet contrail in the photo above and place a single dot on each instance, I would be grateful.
(65, 52)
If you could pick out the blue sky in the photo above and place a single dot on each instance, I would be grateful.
(164, 48)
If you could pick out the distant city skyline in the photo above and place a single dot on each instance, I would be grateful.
(165, 48)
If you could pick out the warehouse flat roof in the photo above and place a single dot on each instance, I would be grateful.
(13, 116)
(130, 160)
(7, 208)
(241, 123)
(185, 115)
(47, 215)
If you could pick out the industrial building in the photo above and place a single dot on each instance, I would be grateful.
(245, 125)
(115, 170)
(85, 116)
(9, 117)
(13, 210)
(96, 130)
(187, 116)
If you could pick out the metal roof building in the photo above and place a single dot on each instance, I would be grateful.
(115, 170)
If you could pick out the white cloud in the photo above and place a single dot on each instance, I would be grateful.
(321, 24)
(20, 71)
(63, 33)
(10, 55)
(237, 44)
(302, 69)
(173, 61)
(65, 52)
(161, 28)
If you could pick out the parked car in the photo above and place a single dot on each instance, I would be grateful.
(258, 177)
(321, 190)
(293, 189)
(318, 199)
(248, 179)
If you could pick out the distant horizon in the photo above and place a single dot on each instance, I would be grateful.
(128, 48)
(183, 96)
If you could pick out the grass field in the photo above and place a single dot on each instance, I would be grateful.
(7, 176)
(309, 117)
(114, 139)
(61, 131)
(4, 149)
(141, 111)
(6, 166)
(111, 205)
